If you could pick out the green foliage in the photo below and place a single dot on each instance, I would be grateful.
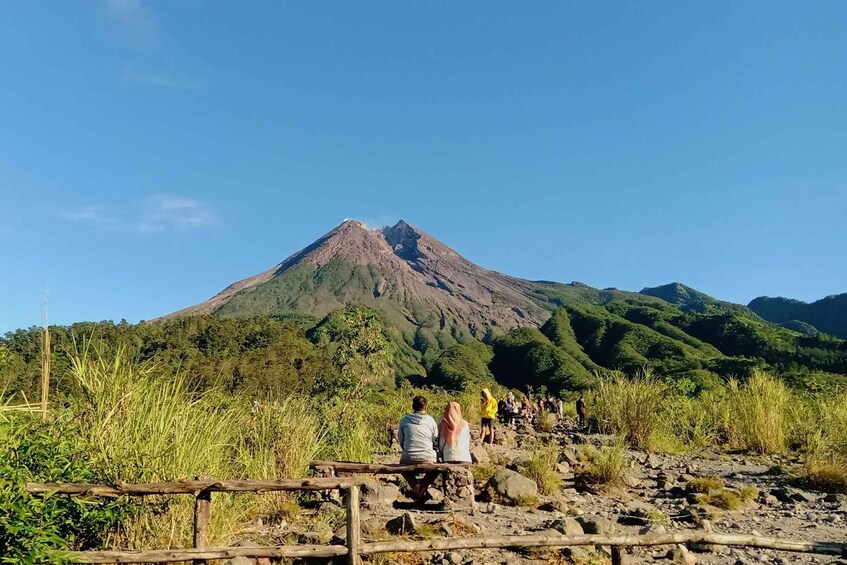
(462, 367)
(362, 348)
(604, 468)
(34, 525)
(525, 356)
(540, 466)
(630, 406)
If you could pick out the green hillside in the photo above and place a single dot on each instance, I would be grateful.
(828, 315)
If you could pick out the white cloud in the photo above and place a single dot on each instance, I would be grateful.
(157, 214)
(160, 80)
(133, 24)
(166, 212)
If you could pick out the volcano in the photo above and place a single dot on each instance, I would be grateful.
(416, 280)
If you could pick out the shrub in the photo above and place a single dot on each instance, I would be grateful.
(630, 406)
(748, 493)
(33, 525)
(605, 468)
(547, 421)
(757, 414)
(541, 467)
(724, 499)
(704, 484)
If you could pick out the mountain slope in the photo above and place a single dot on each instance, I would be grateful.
(828, 315)
(432, 300)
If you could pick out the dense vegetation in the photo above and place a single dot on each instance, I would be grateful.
(827, 315)
(260, 397)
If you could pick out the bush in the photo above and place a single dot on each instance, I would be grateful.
(33, 525)
(756, 414)
(630, 406)
(704, 484)
(547, 421)
(605, 468)
(541, 467)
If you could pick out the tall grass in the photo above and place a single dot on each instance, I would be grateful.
(143, 424)
(826, 460)
(630, 406)
(756, 414)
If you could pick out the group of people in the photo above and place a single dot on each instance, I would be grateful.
(422, 440)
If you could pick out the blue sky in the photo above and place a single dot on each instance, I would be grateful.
(153, 152)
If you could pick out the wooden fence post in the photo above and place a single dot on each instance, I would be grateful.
(202, 515)
(354, 532)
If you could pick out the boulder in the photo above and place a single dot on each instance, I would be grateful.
(568, 526)
(518, 462)
(402, 525)
(505, 437)
(376, 494)
(512, 486)
(480, 455)
(596, 525)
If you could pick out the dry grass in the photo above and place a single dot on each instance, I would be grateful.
(704, 484)
(756, 414)
(547, 421)
(605, 468)
(630, 406)
(541, 467)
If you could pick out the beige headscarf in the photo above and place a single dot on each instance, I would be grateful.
(451, 424)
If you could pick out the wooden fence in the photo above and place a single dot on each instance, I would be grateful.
(354, 548)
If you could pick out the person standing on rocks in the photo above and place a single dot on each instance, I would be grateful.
(488, 409)
(454, 435)
(418, 435)
(581, 411)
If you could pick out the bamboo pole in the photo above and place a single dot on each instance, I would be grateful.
(384, 468)
(354, 532)
(177, 555)
(822, 547)
(191, 487)
(45, 363)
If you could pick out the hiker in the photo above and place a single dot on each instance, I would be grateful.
(581, 411)
(560, 408)
(417, 436)
(526, 408)
(510, 409)
(454, 435)
(488, 409)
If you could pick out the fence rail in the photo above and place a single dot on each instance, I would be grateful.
(354, 548)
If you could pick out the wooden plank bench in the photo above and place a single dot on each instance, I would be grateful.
(457, 481)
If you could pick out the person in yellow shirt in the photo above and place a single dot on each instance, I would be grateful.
(488, 409)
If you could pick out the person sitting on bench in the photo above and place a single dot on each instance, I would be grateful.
(417, 436)
(454, 435)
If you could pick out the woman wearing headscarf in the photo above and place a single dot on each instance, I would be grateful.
(488, 409)
(454, 435)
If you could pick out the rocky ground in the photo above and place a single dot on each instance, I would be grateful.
(656, 497)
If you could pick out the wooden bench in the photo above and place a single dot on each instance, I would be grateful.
(457, 480)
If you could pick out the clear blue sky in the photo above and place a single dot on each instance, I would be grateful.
(153, 152)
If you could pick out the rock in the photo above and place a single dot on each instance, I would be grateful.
(634, 517)
(596, 525)
(630, 481)
(568, 526)
(372, 527)
(314, 537)
(454, 557)
(681, 555)
(653, 529)
(696, 513)
(480, 455)
(555, 505)
(831, 497)
(570, 456)
(803, 496)
(782, 494)
(240, 561)
(518, 462)
(512, 486)
(577, 554)
(402, 525)
(376, 494)
(563, 468)
(505, 437)
(652, 461)
(665, 480)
